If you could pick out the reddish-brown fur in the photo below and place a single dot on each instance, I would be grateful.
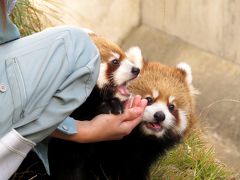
(107, 47)
(169, 81)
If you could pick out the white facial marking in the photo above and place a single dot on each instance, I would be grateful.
(171, 99)
(149, 112)
(124, 72)
(102, 78)
(115, 56)
(155, 93)
(148, 116)
(183, 121)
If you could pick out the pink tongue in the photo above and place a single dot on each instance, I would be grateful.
(155, 126)
(123, 90)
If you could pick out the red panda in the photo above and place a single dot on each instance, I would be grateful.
(170, 95)
(167, 118)
(115, 72)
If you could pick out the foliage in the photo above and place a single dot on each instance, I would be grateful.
(32, 16)
(191, 160)
(27, 17)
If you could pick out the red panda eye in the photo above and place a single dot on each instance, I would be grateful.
(171, 107)
(149, 100)
(115, 62)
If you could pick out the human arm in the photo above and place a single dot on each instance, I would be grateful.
(107, 126)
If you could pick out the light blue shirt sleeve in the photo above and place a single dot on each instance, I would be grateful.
(68, 126)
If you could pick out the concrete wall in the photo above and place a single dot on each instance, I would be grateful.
(112, 19)
(213, 25)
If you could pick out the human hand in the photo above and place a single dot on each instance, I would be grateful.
(108, 126)
(113, 127)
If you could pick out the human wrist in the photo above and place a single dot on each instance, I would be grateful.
(84, 134)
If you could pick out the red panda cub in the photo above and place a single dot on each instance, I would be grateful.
(167, 118)
(169, 115)
(115, 72)
(170, 95)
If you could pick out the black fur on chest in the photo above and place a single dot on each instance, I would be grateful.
(126, 159)
(93, 105)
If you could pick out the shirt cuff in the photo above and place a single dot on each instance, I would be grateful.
(68, 126)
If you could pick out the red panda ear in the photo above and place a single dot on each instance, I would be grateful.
(134, 55)
(187, 69)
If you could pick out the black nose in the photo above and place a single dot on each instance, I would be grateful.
(159, 116)
(135, 71)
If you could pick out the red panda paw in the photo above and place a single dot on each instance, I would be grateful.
(112, 106)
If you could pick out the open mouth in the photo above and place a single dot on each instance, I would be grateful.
(122, 89)
(154, 126)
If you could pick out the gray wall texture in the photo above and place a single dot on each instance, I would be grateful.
(213, 25)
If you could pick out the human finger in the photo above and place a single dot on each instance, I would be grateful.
(127, 104)
(132, 101)
(136, 100)
(135, 111)
(143, 103)
(130, 120)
